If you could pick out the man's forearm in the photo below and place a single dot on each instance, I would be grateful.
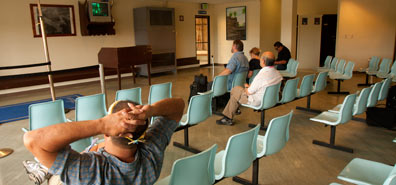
(226, 71)
(171, 108)
(49, 140)
(280, 62)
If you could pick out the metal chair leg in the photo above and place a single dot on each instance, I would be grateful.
(308, 108)
(339, 88)
(332, 142)
(262, 122)
(255, 174)
(186, 145)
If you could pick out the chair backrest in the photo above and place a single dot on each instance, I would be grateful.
(393, 69)
(91, 107)
(340, 66)
(373, 64)
(373, 96)
(195, 170)
(46, 114)
(306, 85)
(349, 69)
(255, 72)
(277, 135)
(159, 92)
(289, 65)
(385, 65)
(391, 179)
(219, 86)
(239, 79)
(240, 152)
(384, 89)
(199, 109)
(361, 101)
(321, 82)
(289, 92)
(333, 64)
(295, 67)
(134, 94)
(270, 97)
(346, 109)
(327, 62)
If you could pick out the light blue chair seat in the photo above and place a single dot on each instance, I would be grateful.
(335, 119)
(46, 114)
(192, 170)
(159, 92)
(306, 86)
(360, 105)
(333, 65)
(384, 68)
(373, 65)
(320, 85)
(88, 108)
(374, 94)
(361, 171)
(292, 72)
(383, 94)
(288, 66)
(239, 80)
(134, 94)
(238, 155)
(340, 68)
(345, 75)
(219, 88)
(199, 109)
(326, 66)
(270, 99)
(255, 72)
(289, 92)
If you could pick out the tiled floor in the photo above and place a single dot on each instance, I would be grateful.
(300, 162)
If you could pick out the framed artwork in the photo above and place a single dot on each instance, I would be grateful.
(317, 21)
(58, 19)
(236, 23)
(304, 21)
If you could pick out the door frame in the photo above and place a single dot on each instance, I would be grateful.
(195, 43)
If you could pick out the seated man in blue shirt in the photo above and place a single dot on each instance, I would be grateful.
(131, 155)
(237, 63)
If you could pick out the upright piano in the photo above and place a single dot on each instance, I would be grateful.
(126, 57)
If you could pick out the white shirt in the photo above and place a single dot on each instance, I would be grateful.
(267, 76)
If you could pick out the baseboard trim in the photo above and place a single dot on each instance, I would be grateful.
(188, 66)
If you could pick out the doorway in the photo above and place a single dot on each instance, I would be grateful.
(202, 39)
(328, 37)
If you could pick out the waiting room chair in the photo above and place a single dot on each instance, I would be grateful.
(88, 108)
(197, 169)
(288, 66)
(384, 67)
(371, 70)
(159, 92)
(134, 94)
(362, 171)
(340, 68)
(326, 66)
(374, 94)
(360, 105)
(333, 65)
(387, 75)
(306, 86)
(239, 154)
(384, 89)
(346, 75)
(199, 109)
(219, 88)
(335, 119)
(289, 92)
(270, 99)
(255, 72)
(272, 142)
(46, 114)
(292, 72)
(239, 79)
(320, 85)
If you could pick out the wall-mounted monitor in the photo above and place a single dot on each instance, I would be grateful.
(99, 11)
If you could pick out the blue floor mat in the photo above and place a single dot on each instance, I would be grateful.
(20, 111)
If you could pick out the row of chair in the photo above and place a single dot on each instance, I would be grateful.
(343, 72)
(382, 71)
(352, 105)
(242, 151)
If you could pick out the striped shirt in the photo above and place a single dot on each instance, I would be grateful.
(103, 168)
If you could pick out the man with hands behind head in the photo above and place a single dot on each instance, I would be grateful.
(131, 154)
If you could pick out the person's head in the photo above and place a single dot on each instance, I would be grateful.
(120, 141)
(255, 53)
(278, 46)
(267, 59)
(237, 45)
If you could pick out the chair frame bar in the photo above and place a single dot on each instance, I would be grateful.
(255, 174)
(338, 88)
(262, 120)
(367, 81)
(186, 145)
(332, 142)
(308, 108)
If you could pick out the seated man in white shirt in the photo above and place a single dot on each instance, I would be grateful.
(252, 94)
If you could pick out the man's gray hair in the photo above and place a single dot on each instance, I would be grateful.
(269, 61)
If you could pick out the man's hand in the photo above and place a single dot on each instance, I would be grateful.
(120, 123)
(141, 112)
(246, 85)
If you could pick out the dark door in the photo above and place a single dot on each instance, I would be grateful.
(328, 40)
(202, 39)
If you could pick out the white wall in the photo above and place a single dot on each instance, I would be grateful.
(317, 7)
(366, 28)
(222, 47)
(19, 47)
(288, 25)
(270, 24)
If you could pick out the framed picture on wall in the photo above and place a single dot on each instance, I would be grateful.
(58, 20)
(236, 23)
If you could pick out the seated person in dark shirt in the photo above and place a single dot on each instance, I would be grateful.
(254, 62)
(283, 56)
